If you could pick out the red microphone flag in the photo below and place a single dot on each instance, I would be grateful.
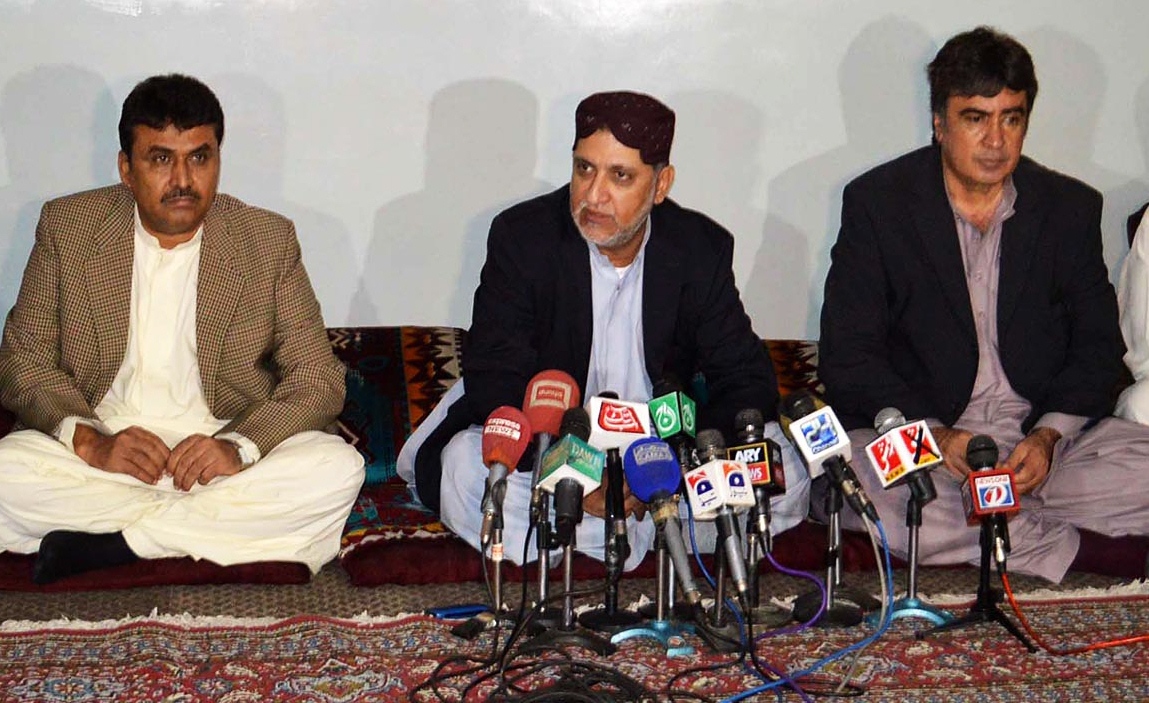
(549, 394)
(506, 434)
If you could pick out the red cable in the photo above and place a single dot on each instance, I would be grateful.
(1062, 652)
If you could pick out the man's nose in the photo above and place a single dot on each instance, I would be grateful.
(994, 134)
(597, 193)
(181, 174)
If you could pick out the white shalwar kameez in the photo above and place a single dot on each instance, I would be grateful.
(288, 506)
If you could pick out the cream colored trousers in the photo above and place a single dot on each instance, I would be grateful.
(290, 505)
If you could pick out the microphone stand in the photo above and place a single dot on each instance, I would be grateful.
(544, 543)
(844, 605)
(661, 627)
(498, 617)
(985, 608)
(610, 618)
(758, 544)
(921, 493)
(566, 632)
(721, 634)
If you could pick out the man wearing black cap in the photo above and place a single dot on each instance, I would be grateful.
(610, 281)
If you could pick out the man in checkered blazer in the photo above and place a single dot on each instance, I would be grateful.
(168, 365)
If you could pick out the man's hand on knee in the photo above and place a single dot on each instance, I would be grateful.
(133, 451)
(199, 459)
(1031, 459)
(953, 443)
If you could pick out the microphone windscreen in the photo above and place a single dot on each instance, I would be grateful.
(749, 424)
(576, 421)
(506, 434)
(548, 395)
(669, 383)
(748, 417)
(651, 469)
(981, 452)
(710, 445)
(887, 419)
(797, 404)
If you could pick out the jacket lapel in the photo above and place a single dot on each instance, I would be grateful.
(109, 276)
(934, 222)
(575, 260)
(1019, 235)
(661, 278)
(217, 297)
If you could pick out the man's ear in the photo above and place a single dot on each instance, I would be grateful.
(662, 183)
(125, 167)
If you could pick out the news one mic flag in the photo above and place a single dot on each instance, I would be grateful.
(990, 492)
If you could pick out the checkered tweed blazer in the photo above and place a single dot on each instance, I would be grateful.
(263, 353)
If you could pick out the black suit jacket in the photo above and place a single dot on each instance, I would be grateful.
(533, 312)
(897, 323)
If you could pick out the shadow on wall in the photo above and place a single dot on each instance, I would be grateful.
(1062, 134)
(885, 109)
(253, 158)
(428, 247)
(59, 128)
(1138, 191)
(721, 165)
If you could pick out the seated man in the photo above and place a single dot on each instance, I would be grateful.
(167, 357)
(610, 281)
(1133, 302)
(967, 288)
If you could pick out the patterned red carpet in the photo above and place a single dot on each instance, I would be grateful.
(326, 660)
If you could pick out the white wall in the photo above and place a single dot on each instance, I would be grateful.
(393, 131)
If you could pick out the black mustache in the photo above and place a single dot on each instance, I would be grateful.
(181, 193)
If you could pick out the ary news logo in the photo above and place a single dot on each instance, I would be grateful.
(550, 393)
(754, 457)
(994, 491)
(749, 454)
(647, 452)
(613, 417)
(503, 427)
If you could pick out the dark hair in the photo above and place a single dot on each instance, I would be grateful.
(982, 62)
(173, 99)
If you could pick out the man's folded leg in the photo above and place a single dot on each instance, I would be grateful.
(289, 506)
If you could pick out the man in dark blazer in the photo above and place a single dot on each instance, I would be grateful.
(610, 281)
(169, 368)
(967, 288)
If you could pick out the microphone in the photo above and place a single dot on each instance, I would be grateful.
(617, 547)
(571, 469)
(653, 473)
(616, 423)
(714, 489)
(571, 457)
(505, 437)
(989, 494)
(763, 459)
(549, 394)
(904, 452)
(762, 455)
(673, 416)
(816, 433)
